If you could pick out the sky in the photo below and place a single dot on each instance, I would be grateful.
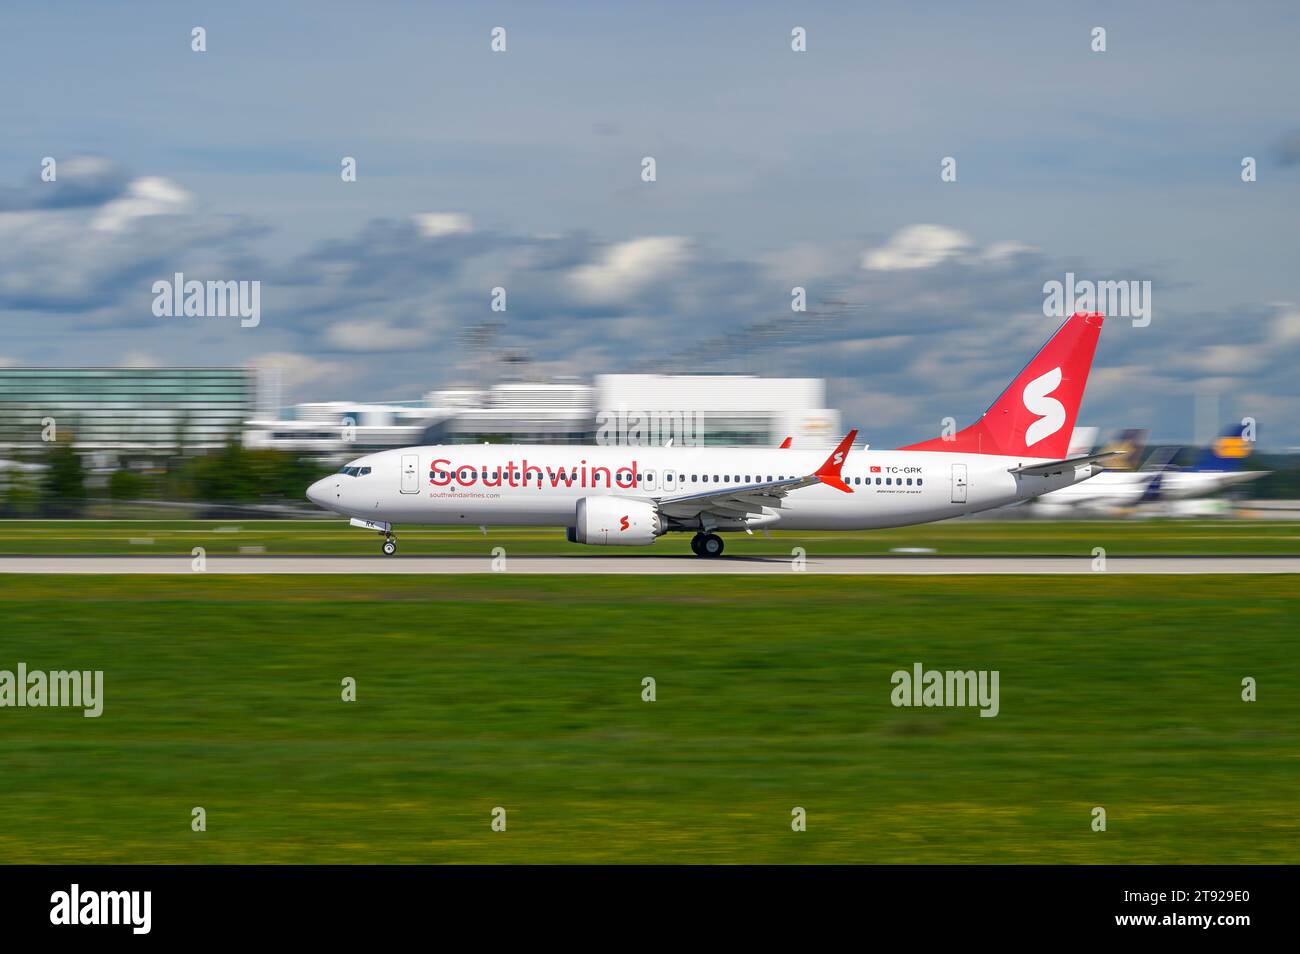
(523, 170)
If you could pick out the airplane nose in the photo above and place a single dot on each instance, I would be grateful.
(316, 492)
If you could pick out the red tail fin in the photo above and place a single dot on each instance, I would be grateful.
(1035, 415)
(829, 472)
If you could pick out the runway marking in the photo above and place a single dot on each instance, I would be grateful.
(649, 565)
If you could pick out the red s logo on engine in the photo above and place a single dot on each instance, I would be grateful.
(622, 522)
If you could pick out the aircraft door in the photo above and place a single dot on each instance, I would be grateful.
(410, 473)
(670, 479)
(958, 483)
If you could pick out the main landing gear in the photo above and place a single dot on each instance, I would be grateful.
(706, 545)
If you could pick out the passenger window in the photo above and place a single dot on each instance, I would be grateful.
(909, 481)
(918, 481)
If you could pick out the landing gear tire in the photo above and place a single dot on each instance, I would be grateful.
(390, 546)
(695, 544)
(710, 545)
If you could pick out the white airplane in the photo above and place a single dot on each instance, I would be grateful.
(1158, 483)
(1115, 490)
(1110, 491)
(630, 496)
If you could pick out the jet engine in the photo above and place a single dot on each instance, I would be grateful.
(615, 522)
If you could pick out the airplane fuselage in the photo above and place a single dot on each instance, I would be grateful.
(540, 485)
(1112, 489)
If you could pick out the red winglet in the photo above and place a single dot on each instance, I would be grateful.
(785, 444)
(829, 472)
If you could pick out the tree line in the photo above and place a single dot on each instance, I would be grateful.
(61, 485)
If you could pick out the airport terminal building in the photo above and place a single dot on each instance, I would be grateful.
(114, 412)
(617, 408)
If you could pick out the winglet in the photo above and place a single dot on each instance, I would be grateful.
(785, 444)
(829, 472)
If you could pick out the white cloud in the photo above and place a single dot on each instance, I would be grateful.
(375, 336)
(916, 246)
(801, 263)
(439, 224)
(151, 195)
(1001, 252)
(139, 359)
(1227, 359)
(299, 372)
(1286, 324)
(86, 167)
(628, 267)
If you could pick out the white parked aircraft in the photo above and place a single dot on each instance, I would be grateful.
(1118, 487)
(630, 496)
(1159, 485)
(1115, 490)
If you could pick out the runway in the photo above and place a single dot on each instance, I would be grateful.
(645, 565)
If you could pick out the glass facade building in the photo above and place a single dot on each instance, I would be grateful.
(125, 410)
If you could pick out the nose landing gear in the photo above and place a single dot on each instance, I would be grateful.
(706, 545)
(390, 545)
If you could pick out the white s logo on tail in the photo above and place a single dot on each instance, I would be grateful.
(1050, 411)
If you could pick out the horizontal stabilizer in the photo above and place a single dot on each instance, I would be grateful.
(1060, 466)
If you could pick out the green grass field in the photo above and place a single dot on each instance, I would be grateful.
(525, 692)
(1007, 537)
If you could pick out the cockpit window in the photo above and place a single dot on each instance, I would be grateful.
(354, 471)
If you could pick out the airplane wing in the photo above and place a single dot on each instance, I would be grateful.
(1060, 466)
(752, 498)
